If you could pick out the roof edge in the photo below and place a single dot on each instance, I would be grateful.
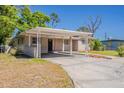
(46, 28)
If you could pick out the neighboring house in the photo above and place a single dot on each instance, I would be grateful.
(40, 40)
(112, 44)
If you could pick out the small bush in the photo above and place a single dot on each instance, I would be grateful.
(96, 45)
(120, 51)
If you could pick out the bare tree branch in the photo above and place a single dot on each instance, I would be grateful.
(89, 27)
(94, 24)
(98, 24)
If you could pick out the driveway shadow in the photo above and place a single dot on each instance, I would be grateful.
(54, 55)
(22, 56)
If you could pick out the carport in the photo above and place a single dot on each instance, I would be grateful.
(52, 34)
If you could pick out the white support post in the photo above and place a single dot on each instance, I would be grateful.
(39, 48)
(70, 45)
(37, 53)
(53, 45)
(63, 45)
(29, 40)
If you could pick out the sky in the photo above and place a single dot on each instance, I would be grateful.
(72, 17)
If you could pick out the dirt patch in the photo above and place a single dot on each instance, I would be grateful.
(26, 74)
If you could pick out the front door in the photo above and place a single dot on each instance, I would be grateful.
(50, 44)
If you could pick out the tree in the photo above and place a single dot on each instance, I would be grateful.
(83, 29)
(24, 21)
(54, 19)
(8, 21)
(20, 18)
(94, 24)
(96, 45)
(40, 19)
(30, 20)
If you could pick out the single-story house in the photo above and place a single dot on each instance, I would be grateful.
(112, 44)
(40, 40)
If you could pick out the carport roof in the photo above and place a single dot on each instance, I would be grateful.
(56, 32)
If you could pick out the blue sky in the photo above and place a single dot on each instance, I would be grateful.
(72, 17)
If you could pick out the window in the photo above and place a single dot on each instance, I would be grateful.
(83, 41)
(66, 42)
(20, 41)
(34, 40)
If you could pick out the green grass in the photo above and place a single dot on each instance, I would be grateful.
(9, 58)
(106, 52)
(38, 60)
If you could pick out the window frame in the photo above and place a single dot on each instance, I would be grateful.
(83, 41)
(34, 41)
(66, 42)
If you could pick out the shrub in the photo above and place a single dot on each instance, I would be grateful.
(96, 45)
(120, 51)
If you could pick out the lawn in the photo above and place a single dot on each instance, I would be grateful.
(106, 52)
(30, 72)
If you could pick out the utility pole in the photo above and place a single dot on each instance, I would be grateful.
(105, 36)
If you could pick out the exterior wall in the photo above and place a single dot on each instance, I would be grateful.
(57, 44)
(19, 43)
(26, 49)
(81, 45)
(77, 45)
(67, 46)
(44, 45)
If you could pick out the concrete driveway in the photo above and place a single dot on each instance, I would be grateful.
(90, 72)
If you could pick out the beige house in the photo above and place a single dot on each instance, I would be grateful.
(37, 41)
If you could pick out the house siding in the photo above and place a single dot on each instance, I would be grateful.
(44, 45)
(57, 44)
(28, 50)
(77, 45)
(81, 46)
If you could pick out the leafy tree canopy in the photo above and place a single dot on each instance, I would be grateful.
(19, 18)
(8, 21)
(54, 19)
(30, 20)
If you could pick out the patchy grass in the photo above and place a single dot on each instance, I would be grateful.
(38, 60)
(31, 72)
(106, 52)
